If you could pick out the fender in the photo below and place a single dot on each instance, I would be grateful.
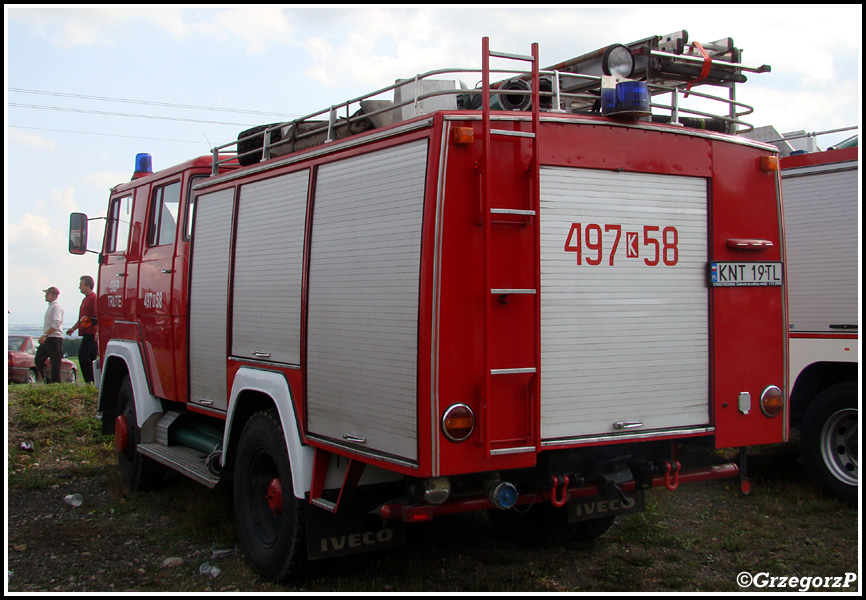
(275, 386)
(146, 404)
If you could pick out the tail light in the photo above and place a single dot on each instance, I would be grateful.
(458, 422)
(772, 401)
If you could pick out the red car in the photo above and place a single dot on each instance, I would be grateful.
(22, 352)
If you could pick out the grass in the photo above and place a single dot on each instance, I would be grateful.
(58, 422)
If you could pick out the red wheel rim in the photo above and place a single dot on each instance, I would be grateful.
(275, 496)
(121, 433)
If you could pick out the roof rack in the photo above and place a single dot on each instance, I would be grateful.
(669, 65)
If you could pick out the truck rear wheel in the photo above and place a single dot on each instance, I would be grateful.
(543, 525)
(829, 440)
(270, 520)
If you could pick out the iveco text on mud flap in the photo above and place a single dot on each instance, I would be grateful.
(587, 509)
(337, 535)
(392, 310)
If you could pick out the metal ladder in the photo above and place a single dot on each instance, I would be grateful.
(530, 216)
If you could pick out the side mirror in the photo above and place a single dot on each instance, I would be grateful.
(77, 233)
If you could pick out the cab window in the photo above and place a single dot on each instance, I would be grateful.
(119, 216)
(164, 207)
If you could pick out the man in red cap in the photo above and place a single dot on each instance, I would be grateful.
(51, 342)
(86, 326)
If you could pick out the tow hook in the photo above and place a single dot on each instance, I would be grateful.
(672, 473)
(558, 490)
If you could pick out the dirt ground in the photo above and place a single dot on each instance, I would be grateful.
(702, 537)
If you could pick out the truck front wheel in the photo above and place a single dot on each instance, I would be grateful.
(829, 440)
(138, 471)
(270, 520)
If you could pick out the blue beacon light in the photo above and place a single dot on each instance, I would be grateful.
(143, 165)
(632, 96)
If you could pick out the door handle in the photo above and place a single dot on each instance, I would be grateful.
(742, 244)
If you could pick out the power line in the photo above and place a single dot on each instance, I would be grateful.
(151, 103)
(117, 114)
(136, 137)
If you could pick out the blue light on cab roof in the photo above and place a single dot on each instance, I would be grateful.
(143, 163)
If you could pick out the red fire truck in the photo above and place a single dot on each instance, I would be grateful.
(821, 201)
(519, 297)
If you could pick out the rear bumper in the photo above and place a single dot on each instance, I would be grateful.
(557, 495)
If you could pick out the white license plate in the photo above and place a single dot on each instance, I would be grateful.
(732, 274)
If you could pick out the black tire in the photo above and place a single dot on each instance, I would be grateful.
(545, 525)
(139, 473)
(254, 145)
(829, 443)
(273, 539)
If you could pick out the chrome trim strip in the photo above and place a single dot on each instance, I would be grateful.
(619, 437)
(659, 127)
(361, 452)
(519, 450)
(436, 299)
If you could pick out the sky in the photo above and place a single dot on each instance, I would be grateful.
(87, 88)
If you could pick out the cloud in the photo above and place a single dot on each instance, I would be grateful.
(64, 200)
(254, 27)
(820, 108)
(105, 180)
(376, 51)
(28, 230)
(98, 25)
(30, 140)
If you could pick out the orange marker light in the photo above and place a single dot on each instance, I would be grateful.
(463, 136)
(769, 163)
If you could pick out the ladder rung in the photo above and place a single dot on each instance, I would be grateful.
(506, 292)
(512, 211)
(512, 371)
(524, 134)
(513, 56)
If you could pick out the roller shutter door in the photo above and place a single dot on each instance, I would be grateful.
(365, 262)
(268, 272)
(624, 296)
(208, 299)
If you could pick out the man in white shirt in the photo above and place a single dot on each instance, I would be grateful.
(51, 342)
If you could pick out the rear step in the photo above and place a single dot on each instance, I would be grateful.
(189, 448)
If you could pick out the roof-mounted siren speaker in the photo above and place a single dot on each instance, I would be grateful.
(620, 96)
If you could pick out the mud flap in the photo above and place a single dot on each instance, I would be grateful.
(345, 532)
(585, 509)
